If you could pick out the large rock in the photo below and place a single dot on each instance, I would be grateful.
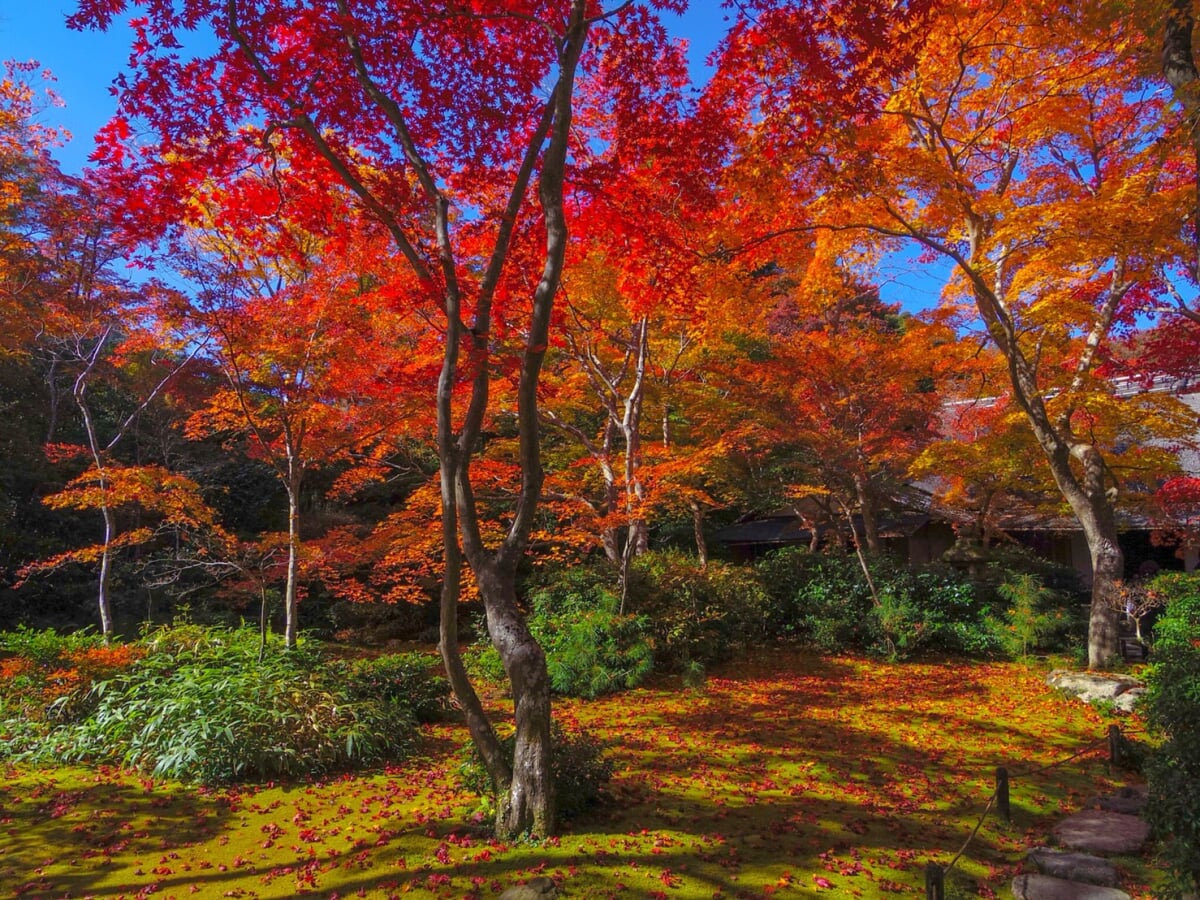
(1093, 688)
(541, 888)
(1073, 866)
(1043, 887)
(1103, 832)
(1129, 700)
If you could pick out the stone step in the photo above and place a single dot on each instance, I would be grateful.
(1130, 800)
(1046, 887)
(1073, 866)
(1102, 832)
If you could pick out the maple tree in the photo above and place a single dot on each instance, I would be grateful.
(297, 317)
(437, 119)
(641, 321)
(25, 168)
(857, 390)
(88, 326)
(984, 458)
(1016, 150)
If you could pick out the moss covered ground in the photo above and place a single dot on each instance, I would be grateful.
(785, 775)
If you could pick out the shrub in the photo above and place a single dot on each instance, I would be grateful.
(697, 614)
(201, 705)
(1007, 562)
(591, 648)
(408, 680)
(1032, 616)
(1172, 707)
(823, 599)
(580, 767)
(820, 599)
(50, 676)
(934, 609)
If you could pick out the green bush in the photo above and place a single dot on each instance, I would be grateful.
(823, 599)
(820, 599)
(578, 763)
(697, 614)
(1172, 708)
(47, 677)
(409, 680)
(1006, 562)
(931, 610)
(200, 705)
(591, 648)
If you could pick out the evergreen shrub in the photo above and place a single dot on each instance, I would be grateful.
(824, 600)
(1172, 708)
(408, 680)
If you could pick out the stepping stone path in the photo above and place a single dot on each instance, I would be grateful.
(1113, 826)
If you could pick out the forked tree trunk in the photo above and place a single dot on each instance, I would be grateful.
(698, 531)
(524, 785)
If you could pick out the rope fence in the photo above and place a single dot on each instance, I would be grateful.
(1117, 745)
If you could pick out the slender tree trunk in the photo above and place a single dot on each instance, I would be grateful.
(611, 538)
(52, 418)
(862, 558)
(98, 460)
(106, 621)
(291, 617)
(1087, 493)
(638, 537)
(698, 530)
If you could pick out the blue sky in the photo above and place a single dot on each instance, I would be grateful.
(85, 64)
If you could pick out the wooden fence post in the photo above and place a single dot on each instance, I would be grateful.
(1002, 805)
(1115, 748)
(935, 882)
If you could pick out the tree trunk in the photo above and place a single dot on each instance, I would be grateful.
(1108, 568)
(611, 538)
(866, 505)
(293, 565)
(526, 803)
(698, 529)
(638, 537)
(98, 459)
(1087, 491)
(106, 621)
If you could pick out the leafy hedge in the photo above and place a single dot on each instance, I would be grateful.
(1172, 707)
(198, 703)
(683, 617)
